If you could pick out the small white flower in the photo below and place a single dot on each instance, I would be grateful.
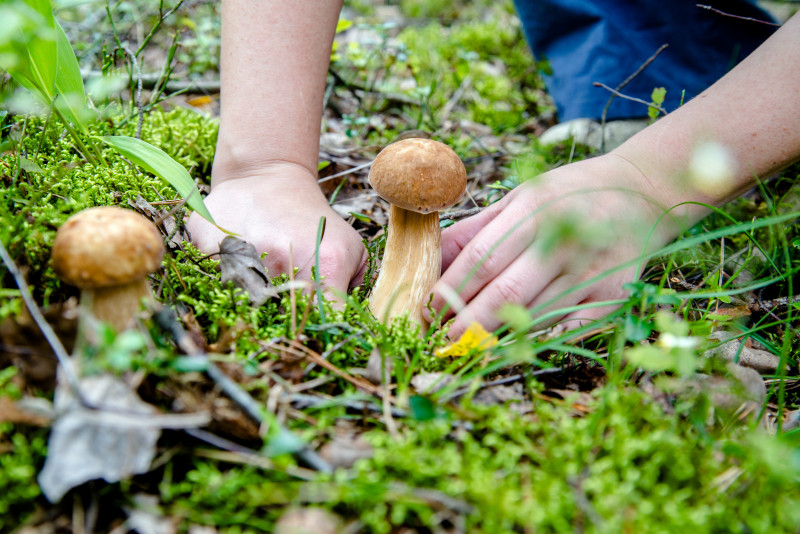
(671, 341)
(711, 169)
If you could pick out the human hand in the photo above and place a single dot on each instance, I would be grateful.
(538, 246)
(278, 211)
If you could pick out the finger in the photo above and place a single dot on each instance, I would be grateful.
(339, 265)
(561, 294)
(520, 284)
(486, 256)
(456, 237)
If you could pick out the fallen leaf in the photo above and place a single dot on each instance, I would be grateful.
(112, 436)
(345, 451)
(241, 264)
(145, 516)
(379, 368)
(308, 521)
(474, 338)
(499, 394)
(431, 382)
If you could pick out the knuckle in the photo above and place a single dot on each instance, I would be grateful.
(484, 263)
(508, 291)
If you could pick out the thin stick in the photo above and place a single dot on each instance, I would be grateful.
(460, 214)
(47, 330)
(723, 13)
(627, 97)
(138, 96)
(615, 92)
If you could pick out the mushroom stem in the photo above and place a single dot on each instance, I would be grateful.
(117, 305)
(412, 263)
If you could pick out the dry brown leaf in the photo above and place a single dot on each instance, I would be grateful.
(11, 412)
(308, 521)
(241, 264)
(345, 450)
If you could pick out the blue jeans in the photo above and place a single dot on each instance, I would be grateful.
(587, 41)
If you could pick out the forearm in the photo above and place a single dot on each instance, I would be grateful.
(274, 60)
(754, 111)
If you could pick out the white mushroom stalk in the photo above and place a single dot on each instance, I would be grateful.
(418, 177)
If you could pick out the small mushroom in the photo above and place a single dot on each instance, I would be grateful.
(108, 252)
(418, 177)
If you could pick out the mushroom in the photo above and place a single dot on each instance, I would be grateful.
(108, 252)
(418, 177)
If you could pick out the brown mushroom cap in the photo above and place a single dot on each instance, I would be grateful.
(419, 175)
(106, 246)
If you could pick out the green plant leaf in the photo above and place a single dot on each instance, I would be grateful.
(155, 160)
(45, 62)
(35, 67)
(71, 101)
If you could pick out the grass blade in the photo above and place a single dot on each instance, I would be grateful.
(161, 164)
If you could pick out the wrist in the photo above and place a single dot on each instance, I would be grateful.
(672, 208)
(234, 161)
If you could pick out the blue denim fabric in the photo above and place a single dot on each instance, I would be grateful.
(587, 41)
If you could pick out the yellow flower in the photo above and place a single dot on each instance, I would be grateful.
(475, 337)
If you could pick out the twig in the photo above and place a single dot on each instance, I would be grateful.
(740, 17)
(460, 214)
(47, 330)
(161, 18)
(138, 97)
(773, 304)
(501, 381)
(150, 80)
(351, 170)
(632, 98)
(304, 400)
(615, 92)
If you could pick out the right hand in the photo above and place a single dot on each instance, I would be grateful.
(543, 245)
(278, 210)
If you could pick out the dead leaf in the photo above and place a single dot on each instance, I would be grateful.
(112, 439)
(308, 521)
(241, 264)
(145, 517)
(499, 394)
(431, 382)
(378, 366)
(345, 451)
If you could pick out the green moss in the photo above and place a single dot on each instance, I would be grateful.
(34, 203)
(626, 466)
(488, 58)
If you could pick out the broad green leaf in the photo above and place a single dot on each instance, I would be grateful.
(71, 101)
(46, 65)
(161, 164)
(35, 67)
